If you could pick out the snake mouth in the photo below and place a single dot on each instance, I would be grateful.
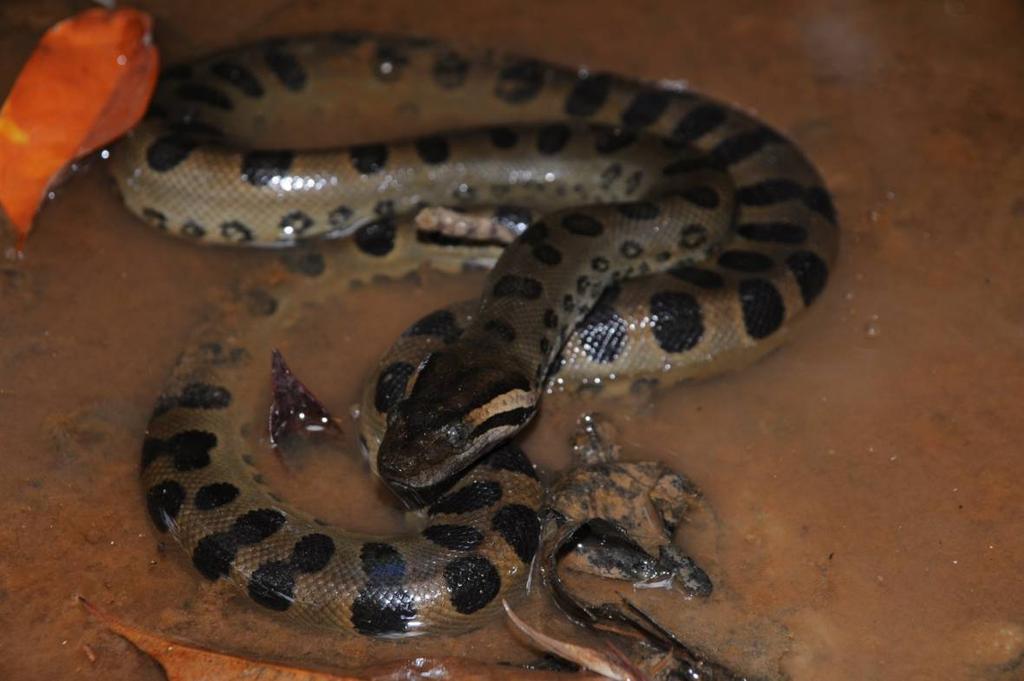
(414, 497)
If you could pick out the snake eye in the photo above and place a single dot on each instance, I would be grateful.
(455, 434)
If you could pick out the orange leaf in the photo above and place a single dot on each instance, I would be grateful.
(183, 662)
(88, 81)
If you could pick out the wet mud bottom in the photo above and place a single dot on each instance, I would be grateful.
(864, 479)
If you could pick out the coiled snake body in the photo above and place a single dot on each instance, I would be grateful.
(671, 237)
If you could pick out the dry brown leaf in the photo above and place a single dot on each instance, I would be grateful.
(183, 662)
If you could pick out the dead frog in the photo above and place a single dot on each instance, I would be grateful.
(612, 519)
(621, 516)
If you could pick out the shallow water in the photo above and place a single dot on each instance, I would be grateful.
(864, 480)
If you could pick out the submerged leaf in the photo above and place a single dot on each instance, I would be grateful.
(88, 81)
(295, 408)
(184, 662)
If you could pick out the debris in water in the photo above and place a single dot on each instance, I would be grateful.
(295, 408)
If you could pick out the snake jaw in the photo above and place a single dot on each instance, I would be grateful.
(413, 498)
(420, 464)
(461, 406)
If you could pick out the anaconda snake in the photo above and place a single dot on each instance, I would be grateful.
(673, 237)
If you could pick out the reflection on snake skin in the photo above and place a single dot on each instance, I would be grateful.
(670, 237)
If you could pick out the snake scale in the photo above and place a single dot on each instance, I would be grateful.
(667, 236)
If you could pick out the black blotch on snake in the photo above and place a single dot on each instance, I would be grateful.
(168, 151)
(501, 330)
(164, 501)
(369, 158)
(639, 210)
(504, 138)
(520, 528)
(550, 318)
(272, 585)
(697, 123)
(286, 67)
(516, 286)
(701, 278)
(603, 334)
(391, 59)
(239, 76)
(382, 563)
(472, 497)
(678, 324)
(196, 395)
(763, 307)
(189, 450)
(473, 582)
(820, 201)
(547, 254)
(520, 81)
(811, 274)
(773, 232)
(582, 224)
(535, 233)
(610, 140)
(745, 261)
(214, 553)
(742, 146)
(552, 138)
(769, 192)
(685, 166)
(260, 168)
(215, 495)
(382, 606)
(433, 149)
(312, 553)
(510, 457)
(376, 238)
(702, 196)
(588, 94)
(646, 108)
(440, 323)
(454, 537)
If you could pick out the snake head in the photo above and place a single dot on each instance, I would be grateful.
(462, 404)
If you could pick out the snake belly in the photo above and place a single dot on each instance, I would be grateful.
(670, 236)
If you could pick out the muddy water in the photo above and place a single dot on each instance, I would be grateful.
(864, 481)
